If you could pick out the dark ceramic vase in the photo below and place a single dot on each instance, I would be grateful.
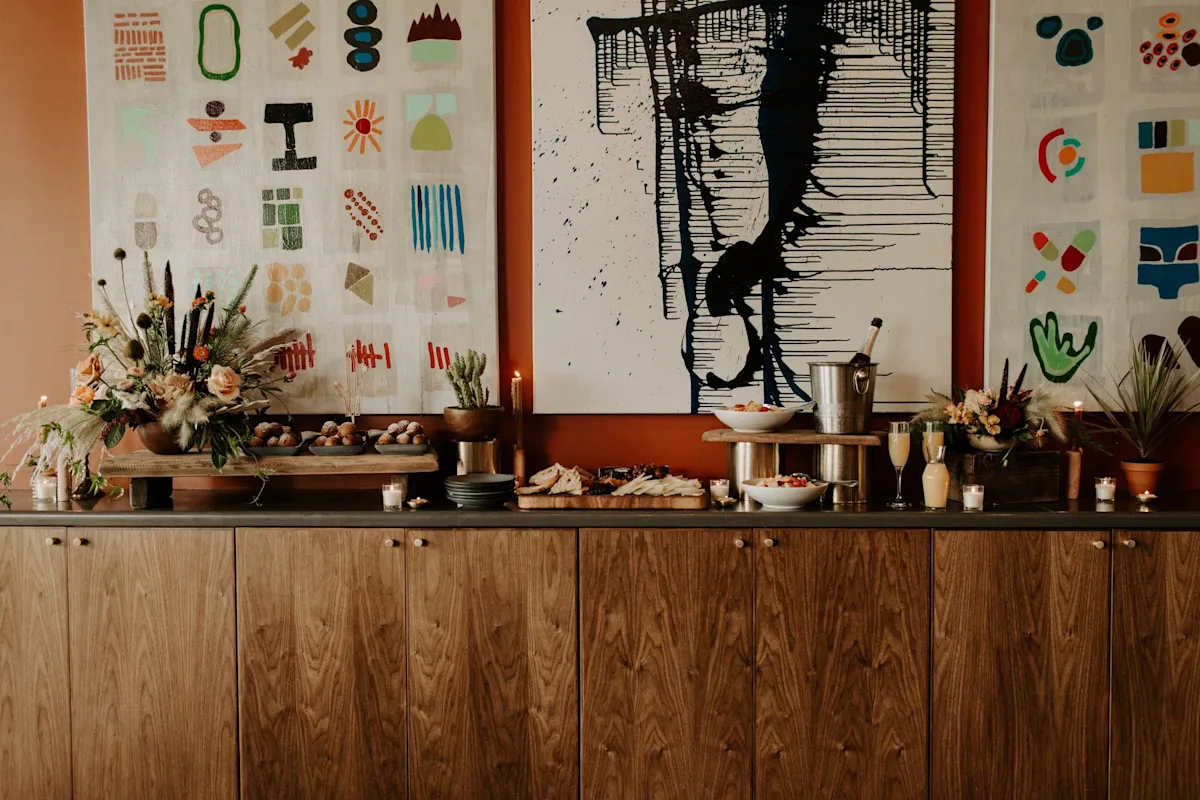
(159, 440)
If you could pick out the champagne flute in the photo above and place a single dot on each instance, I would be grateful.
(899, 442)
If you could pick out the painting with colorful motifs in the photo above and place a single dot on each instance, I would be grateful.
(347, 148)
(1094, 216)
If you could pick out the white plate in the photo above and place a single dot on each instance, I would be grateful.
(755, 421)
(783, 498)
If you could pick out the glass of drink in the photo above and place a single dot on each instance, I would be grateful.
(935, 481)
(933, 437)
(899, 441)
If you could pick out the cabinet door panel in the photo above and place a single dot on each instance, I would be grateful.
(153, 672)
(35, 703)
(321, 655)
(1020, 664)
(493, 690)
(667, 668)
(1156, 665)
(842, 624)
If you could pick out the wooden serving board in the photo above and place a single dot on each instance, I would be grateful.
(795, 437)
(529, 502)
(144, 464)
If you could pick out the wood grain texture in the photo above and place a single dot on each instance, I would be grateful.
(842, 693)
(144, 464)
(1020, 664)
(535, 501)
(728, 435)
(321, 657)
(667, 691)
(35, 701)
(1156, 666)
(493, 686)
(153, 672)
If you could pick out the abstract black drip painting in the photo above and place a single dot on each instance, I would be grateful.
(726, 190)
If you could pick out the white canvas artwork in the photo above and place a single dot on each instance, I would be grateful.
(347, 148)
(727, 191)
(1093, 219)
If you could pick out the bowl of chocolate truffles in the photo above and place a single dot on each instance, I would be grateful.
(338, 440)
(401, 438)
(274, 439)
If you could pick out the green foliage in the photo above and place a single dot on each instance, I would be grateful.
(6, 482)
(1148, 396)
(466, 377)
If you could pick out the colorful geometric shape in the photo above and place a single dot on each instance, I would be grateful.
(431, 133)
(1168, 257)
(361, 283)
(455, 302)
(1074, 256)
(1168, 173)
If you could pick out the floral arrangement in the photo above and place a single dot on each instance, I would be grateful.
(1011, 415)
(199, 382)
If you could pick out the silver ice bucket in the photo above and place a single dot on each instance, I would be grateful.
(844, 394)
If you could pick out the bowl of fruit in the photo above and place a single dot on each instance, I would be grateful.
(784, 492)
(755, 417)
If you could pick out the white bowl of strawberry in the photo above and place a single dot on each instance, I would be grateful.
(754, 417)
(784, 492)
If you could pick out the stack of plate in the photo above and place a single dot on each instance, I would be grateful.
(479, 490)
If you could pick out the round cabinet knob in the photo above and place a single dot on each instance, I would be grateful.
(739, 543)
(390, 543)
(53, 541)
(1098, 544)
(769, 543)
(1130, 543)
(80, 542)
(419, 542)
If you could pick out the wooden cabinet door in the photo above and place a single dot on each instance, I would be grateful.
(35, 702)
(667, 699)
(842, 691)
(321, 656)
(153, 675)
(1156, 665)
(493, 690)
(1020, 664)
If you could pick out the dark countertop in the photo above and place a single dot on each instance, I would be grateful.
(363, 509)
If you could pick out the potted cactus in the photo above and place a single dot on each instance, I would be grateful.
(473, 419)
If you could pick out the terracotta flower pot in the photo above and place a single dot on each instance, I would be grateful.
(474, 424)
(159, 440)
(1142, 476)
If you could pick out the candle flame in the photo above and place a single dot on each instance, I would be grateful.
(1078, 404)
(518, 374)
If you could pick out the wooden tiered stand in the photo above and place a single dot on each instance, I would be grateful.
(152, 477)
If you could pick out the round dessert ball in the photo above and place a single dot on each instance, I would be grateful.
(404, 438)
(289, 439)
(263, 431)
(257, 441)
(348, 441)
(387, 438)
(413, 428)
(346, 429)
(402, 424)
(329, 428)
(276, 429)
(319, 441)
(273, 441)
(395, 428)
(420, 438)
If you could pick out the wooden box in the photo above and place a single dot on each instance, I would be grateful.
(1030, 476)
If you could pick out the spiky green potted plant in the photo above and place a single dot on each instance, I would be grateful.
(474, 419)
(1150, 400)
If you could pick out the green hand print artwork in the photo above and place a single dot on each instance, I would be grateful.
(1056, 353)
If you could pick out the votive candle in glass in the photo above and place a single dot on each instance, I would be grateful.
(45, 487)
(718, 489)
(973, 497)
(1106, 489)
(393, 495)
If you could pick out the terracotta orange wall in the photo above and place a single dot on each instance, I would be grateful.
(44, 234)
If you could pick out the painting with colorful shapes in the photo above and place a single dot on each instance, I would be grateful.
(1094, 220)
(345, 148)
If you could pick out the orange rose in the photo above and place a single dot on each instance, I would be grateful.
(225, 384)
(89, 370)
(201, 353)
(82, 396)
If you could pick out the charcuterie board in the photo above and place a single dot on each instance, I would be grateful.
(532, 502)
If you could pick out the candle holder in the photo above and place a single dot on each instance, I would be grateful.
(394, 494)
(973, 497)
(1106, 490)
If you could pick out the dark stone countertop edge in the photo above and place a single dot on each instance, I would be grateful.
(363, 509)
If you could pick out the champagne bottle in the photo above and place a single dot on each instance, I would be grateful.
(863, 356)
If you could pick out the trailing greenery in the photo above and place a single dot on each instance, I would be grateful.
(466, 376)
(1154, 396)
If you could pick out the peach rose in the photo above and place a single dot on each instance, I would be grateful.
(82, 396)
(225, 384)
(89, 371)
